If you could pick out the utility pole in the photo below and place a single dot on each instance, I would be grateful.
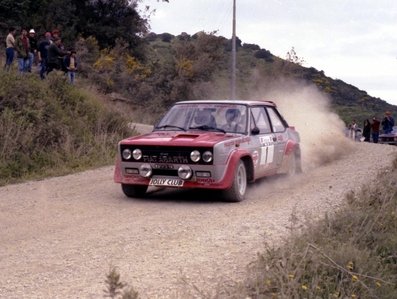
(233, 83)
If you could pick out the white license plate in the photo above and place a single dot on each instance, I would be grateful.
(166, 182)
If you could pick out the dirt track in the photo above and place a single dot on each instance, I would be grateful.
(59, 236)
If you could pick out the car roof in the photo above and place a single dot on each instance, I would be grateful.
(238, 102)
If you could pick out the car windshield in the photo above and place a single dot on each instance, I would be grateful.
(221, 117)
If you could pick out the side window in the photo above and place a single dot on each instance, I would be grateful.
(260, 119)
(277, 123)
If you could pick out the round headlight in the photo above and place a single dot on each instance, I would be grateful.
(126, 154)
(195, 156)
(207, 156)
(185, 172)
(137, 154)
(145, 170)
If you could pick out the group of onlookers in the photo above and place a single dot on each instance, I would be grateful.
(48, 53)
(373, 128)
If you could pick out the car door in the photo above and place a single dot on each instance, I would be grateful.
(279, 130)
(264, 141)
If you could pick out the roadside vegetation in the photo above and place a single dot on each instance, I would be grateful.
(351, 253)
(50, 128)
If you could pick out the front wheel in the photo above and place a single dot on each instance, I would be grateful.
(134, 190)
(236, 192)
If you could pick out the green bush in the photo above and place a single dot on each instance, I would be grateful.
(50, 127)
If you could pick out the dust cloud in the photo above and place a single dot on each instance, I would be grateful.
(308, 110)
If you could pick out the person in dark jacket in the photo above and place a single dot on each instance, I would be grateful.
(367, 131)
(388, 123)
(375, 129)
(55, 56)
(44, 44)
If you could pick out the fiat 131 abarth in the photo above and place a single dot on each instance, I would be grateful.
(215, 145)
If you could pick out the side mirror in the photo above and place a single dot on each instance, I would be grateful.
(255, 131)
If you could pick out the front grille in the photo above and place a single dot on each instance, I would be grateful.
(166, 154)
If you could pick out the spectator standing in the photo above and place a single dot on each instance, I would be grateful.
(55, 56)
(353, 128)
(375, 129)
(367, 130)
(22, 46)
(33, 48)
(71, 65)
(44, 44)
(387, 123)
(10, 46)
(55, 34)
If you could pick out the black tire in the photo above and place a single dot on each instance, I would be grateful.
(237, 190)
(134, 190)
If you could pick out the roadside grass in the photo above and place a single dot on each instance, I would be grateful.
(351, 253)
(49, 128)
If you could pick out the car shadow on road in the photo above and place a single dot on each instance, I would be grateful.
(197, 196)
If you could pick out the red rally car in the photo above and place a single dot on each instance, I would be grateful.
(215, 145)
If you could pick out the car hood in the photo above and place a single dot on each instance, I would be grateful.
(172, 138)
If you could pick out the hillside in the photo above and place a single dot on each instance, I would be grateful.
(151, 71)
(206, 62)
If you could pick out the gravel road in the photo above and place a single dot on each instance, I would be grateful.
(60, 236)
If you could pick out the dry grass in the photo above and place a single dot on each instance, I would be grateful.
(51, 128)
(351, 254)
(117, 289)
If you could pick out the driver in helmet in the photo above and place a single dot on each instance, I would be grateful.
(205, 118)
(232, 120)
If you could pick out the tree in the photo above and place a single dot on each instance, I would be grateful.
(293, 57)
(106, 20)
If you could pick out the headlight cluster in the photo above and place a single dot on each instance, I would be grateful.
(136, 154)
(145, 170)
(195, 156)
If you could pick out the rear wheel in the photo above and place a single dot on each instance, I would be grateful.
(294, 166)
(134, 190)
(236, 192)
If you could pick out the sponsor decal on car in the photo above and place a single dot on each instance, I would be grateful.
(238, 141)
(267, 154)
(166, 159)
(266, 140)
(205, 181)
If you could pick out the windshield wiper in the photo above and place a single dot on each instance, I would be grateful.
(170, 126)
(207, 128)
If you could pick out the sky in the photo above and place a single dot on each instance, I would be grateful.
(351, 40)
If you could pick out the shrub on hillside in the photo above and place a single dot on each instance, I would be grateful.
(50, 127)
(253, 47)
(264, 54)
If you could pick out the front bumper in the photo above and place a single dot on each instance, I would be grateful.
(221, 176)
